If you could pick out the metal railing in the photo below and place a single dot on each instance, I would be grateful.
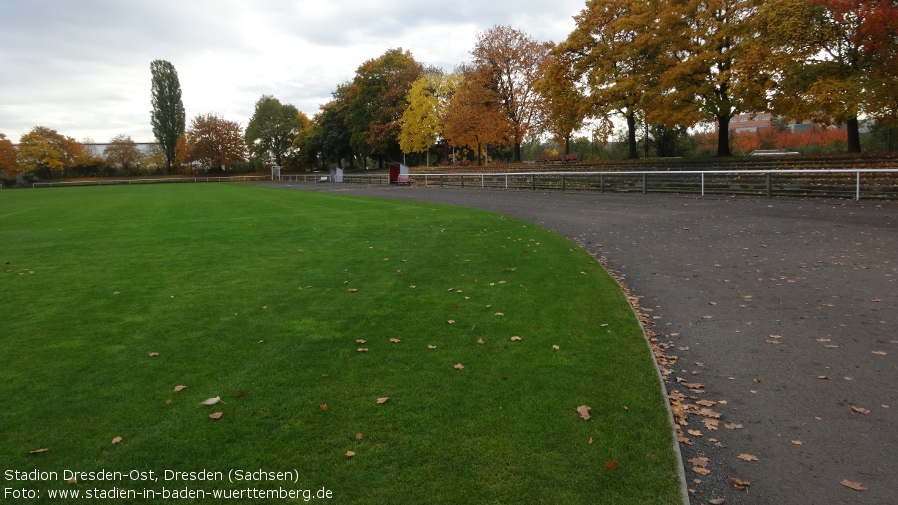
(161, 180)
(838, 183)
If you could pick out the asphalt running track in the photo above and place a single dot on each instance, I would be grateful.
(784, 310)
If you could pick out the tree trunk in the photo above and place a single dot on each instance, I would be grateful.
(631, 137)
(723, 136)
(567, 144)
(517, 151)
(854, 135)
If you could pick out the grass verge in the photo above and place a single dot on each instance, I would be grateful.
(260, 297)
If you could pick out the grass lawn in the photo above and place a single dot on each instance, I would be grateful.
(260, 297)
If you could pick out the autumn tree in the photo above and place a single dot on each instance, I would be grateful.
(8, 163)
(168, 116)
(46, 152)
(511, 62)
(713, 65)
(839, 61)
(474, 117)
(422, 122)
(122, 152)
(215, 142)
(271, 130)
(565, 106)
(375, 100)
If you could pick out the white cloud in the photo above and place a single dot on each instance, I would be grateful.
(82, 68)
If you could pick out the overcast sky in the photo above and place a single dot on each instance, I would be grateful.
(82, 67)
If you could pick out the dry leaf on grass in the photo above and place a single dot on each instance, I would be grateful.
(382, 400)
(431, 347)
(458, 366)
(350, 454)
(556, 347)
(360, 341)
(211, 401)
(857, 486)
(611, 465)
(583, 410)
(152, 354)
(500, 313)
(323, 406)
(180, 388)
(747, 457)
(515, 338)
(216, 415)
(116, 440)
(359, 436)
(451, 321)
(395, 340)
(352, 290)
(37, 451)
(362, 349)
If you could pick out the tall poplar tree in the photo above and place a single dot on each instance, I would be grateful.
(168, 116)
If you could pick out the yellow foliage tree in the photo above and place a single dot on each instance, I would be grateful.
(422, 123)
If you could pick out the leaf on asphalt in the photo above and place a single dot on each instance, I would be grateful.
(381, 401)
(694, 433)
(881, 353)
(732, 426)
(180, 388)
(747, 457)
(37, 451)
(860, 410)
(152, 354)
(717, 501)
(710, 423)
(739, 483)
(823, 377)
(515, 338)
(706, 403)
(700, 465)
(583, 410)
(709, 413)
(395, 340)
(211, 401)
(797, 442)
(116, 440)
(832, 346)
(350, 454)
(458, 366)
(857, 486)
(216, 415)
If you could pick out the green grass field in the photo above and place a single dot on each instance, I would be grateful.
(259, 296)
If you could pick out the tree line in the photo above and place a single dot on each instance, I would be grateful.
(659, 66)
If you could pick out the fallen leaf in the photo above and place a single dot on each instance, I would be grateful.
(451, 321)
(216, 415)
(458, 366)
(431, 347)
(860, 410)
(797, 442)
(515, 338)
(116, 440)
(383, 400)
(115, 292)
(239, 393)
(479, 340)
(359, 436)
(350, 454)
(701, 470)
(717, 501)
(180, 388)
(732, 426)
(73, 480)
(556, 347)
(584, 412)
(361, 341)
(352, 290)
(37, 451)
(211, 401)
(323, 406)
(152, 354)
(362, 349)
(881, 353)
(747, 457)
(739, 483)
(611, 465)
(857, 486)
(500, 313)
(823, 377)
(694, 433)
(706, 403)
(395, 340)
(168, 402)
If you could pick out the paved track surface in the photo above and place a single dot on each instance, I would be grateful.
(784, 310)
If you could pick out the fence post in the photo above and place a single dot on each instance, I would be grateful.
(481, 181)
(703, 184)
(769, 185)
(601, 183)
(506, 181)
(645, 185)
(858, 192)
(533, 182)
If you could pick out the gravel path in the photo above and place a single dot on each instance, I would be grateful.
(782, 312)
